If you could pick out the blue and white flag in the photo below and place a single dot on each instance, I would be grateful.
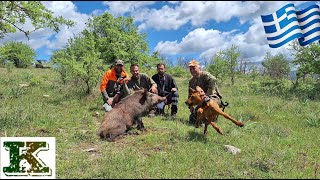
(309, 21)
(287, 24)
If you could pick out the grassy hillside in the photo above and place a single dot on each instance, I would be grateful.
(281, 137)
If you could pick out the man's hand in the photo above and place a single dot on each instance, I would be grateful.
(173, 89)
(126, 79)
(153, 89)
(109, 101)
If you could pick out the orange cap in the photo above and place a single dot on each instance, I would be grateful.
(193, 63)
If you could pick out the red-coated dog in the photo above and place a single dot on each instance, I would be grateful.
(209, 111)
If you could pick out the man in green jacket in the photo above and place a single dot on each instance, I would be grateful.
(204, 80)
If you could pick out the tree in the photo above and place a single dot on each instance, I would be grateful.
(307, 58)
(218, 66)
(104, 39)
(13, 14)
(20, 54)
(80, 61)
(243, 63)
(276, 66)
(118, 38)
(230, 56)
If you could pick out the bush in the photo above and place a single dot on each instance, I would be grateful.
(178, 71)
(34, 81)
(278, 87)
(307, 91)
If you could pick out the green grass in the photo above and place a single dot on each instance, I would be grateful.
(280, 139)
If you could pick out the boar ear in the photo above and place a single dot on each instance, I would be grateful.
(192, 90)
(144, 96)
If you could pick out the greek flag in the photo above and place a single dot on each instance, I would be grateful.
(287, 24)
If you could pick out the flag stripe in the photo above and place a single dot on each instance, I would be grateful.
(307, 9)
(285, 41)
(288, 35)
(312, 24)
(285, 33)
(309, 21)
(304, 43)
(315, 13)
(312, 31)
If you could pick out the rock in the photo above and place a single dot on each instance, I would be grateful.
(84, 131)
(232, 149)
(96, 114)
(23, 85)
(91, 150)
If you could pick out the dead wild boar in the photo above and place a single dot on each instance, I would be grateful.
(121, 117)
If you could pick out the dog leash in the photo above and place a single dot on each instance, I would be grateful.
(224, 104)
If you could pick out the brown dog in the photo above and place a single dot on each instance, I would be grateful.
(209, 111)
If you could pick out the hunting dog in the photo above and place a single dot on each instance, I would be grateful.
(208, 111)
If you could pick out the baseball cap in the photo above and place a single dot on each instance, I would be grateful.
(193, 63)
(119, 62)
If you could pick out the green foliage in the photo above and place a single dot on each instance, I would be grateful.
(9, 66)
(224, 63)
(35, 81)
(13, 14)
(307, 90)
(16, 92)
(79, 61)
(118, 38)
(272, 87)
(219, 67)
(313, 120)
(307, 58)
(178, 71)
(20, 54)
(277, 66)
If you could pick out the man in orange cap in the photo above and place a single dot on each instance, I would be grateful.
(204, 80)
(111, 86)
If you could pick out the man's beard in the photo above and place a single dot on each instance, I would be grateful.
(118, 70)
(161, 73)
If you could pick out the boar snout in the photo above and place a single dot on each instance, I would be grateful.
(162, 99)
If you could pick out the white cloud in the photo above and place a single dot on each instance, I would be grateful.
(252, 44)
(118, 8)
(46, 37)
(69, 11)
(196, 41)
(166, 19)
(197, 12)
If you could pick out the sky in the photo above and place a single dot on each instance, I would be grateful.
(176, 29)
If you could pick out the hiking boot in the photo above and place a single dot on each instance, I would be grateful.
(173, 115)
(160, 112)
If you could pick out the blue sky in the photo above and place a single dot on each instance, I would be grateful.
(177, 29)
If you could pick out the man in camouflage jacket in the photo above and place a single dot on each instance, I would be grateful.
(204, 80)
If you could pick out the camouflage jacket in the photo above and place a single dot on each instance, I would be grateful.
(207, 82)
(144, 81)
